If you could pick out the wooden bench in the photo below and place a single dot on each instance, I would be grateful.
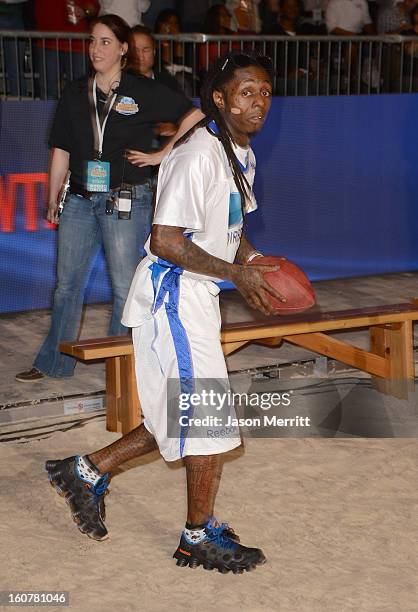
(389, 360)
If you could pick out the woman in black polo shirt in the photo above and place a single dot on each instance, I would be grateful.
(98, 120)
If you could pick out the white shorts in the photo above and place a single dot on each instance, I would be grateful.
(159, 356)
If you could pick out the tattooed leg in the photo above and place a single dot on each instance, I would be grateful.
(203, 478)
(137, 442)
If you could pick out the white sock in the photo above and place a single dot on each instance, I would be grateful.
(194, 536)
(86, 470)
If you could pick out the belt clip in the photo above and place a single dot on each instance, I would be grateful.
(110, 204)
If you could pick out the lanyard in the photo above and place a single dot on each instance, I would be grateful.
(99, 123)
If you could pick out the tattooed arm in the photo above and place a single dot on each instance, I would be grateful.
(169, 243)
(245, 251)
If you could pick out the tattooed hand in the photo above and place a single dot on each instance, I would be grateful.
(250, 282)
(169, 243)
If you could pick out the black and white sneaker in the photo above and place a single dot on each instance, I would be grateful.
(83, 487)
(216, 549)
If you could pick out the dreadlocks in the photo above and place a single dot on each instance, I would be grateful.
(217, 78)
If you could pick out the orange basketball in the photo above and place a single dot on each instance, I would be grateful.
(290, 281)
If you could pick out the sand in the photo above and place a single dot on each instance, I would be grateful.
(336, 518)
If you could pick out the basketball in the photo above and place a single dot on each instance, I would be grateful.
(290, 281)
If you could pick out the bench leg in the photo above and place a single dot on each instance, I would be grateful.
(129, 406)
(113, 394)
(394, 342)
(123, 410)
(231, 347)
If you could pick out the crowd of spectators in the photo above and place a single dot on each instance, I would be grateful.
(342, 18)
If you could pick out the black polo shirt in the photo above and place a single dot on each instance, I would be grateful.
(164, 77)
(72, 127)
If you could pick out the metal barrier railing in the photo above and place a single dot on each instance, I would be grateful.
(36, 65)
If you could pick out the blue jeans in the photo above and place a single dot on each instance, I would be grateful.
(84, 227)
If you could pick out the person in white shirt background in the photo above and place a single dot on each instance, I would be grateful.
(130, 10)
(349, 18)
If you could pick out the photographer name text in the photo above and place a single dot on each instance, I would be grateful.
(265, 421)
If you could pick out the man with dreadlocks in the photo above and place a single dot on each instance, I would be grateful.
(204, 192)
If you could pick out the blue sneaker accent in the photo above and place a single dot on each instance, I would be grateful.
(219, 535)
(101, 485)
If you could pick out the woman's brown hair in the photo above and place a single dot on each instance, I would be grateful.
(121, 30)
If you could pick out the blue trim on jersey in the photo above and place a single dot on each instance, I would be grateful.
(215, 130)
(235, 210)
(170, 284)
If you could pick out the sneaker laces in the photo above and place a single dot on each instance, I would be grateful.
(213, 522)
(217, 534)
